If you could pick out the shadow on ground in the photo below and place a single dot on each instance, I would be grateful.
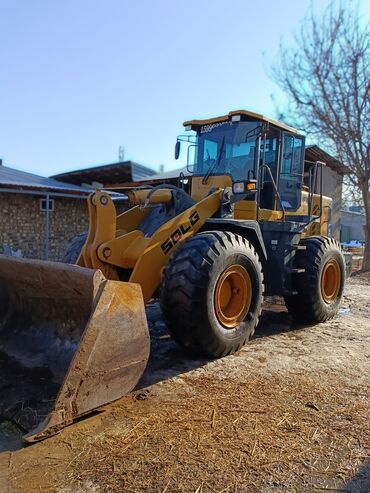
(168, 359)
(359, 483)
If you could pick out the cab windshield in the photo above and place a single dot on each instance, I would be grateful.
(227, 148)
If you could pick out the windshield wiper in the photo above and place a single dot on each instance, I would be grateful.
(216, 163)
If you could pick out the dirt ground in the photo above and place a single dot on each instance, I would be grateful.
(289, 413)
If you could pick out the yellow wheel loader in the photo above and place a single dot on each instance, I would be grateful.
(250, 219)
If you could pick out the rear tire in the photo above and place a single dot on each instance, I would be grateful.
(320, 287)
(74, 248)
(212, 293)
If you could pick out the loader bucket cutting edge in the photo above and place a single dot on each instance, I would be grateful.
(70, 341)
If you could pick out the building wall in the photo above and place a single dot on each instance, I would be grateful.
(332, 187)
(22, 224)
(355, 221)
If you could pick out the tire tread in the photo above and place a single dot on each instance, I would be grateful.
(307, 306)
(180, 299)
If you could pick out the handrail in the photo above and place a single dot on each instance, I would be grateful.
(312, 185)
(262, 166)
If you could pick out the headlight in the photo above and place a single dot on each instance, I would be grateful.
(242, 187)
(239, 187)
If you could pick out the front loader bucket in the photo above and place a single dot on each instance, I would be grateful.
(70, 342)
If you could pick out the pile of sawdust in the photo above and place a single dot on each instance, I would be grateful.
(267, 434)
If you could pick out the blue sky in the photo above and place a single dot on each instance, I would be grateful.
(80, 78)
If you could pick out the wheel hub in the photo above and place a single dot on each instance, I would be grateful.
(233, 296)
(330, 281)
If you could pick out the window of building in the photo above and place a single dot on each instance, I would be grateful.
(44, 204)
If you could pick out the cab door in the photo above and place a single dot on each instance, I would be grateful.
(269, 157)
(290, 181)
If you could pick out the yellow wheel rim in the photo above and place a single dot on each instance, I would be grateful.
(330, 281)
(233, 296)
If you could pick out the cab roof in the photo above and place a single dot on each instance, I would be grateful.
(244, 115)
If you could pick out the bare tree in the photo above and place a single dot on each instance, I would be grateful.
(351, 195)
(326, 78)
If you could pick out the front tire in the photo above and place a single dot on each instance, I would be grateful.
(74, 248)
(320, 286)
(212, 293)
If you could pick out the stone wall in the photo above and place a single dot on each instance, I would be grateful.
(22, 224)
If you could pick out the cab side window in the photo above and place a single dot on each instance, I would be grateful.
(269, 157)
(291, 172)
(269, 154)
(291, 164)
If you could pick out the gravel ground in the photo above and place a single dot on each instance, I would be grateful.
(289, 413)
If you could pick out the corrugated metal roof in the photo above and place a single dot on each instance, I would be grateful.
(315, 153)
(108, 174)
(168, 175)
(13, 178)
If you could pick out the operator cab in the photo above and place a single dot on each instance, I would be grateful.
(264, 158)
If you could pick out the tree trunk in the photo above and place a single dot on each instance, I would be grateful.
(366, 199)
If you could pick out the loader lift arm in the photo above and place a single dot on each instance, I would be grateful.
(116, 242)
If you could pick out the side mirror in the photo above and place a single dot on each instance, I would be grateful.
(177, 149)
